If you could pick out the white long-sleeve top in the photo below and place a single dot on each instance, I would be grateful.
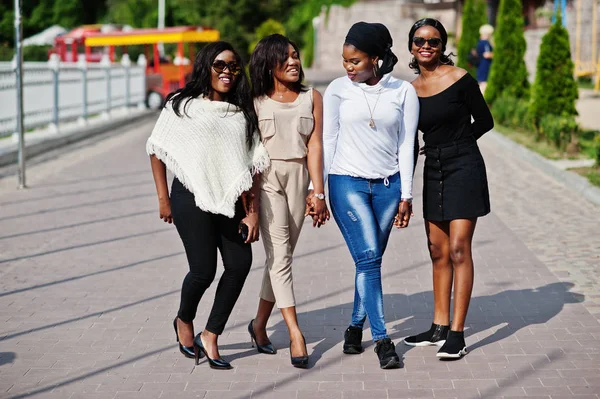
(351, 147)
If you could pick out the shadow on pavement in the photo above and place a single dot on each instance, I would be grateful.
(81, 276)
(505, 312)
(75, 193)
(70, 226)
(82, 205)
(53, 251)
(529, 307)
(88, 316)
(7, 358)
(92, 373)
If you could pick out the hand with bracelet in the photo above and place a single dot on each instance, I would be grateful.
(316, 207)
(404, 213)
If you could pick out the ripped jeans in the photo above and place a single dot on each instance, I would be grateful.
(364, 211)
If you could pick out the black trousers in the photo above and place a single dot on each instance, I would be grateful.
(204, 233)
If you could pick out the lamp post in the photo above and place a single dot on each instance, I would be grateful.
(161, 23)
(19, 77)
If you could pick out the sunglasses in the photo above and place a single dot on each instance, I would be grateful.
(219, 66)
(433, 42)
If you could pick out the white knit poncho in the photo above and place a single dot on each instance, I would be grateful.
(207, 151)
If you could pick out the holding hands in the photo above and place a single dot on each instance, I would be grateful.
(250, 204)
(316, 208)
(404, 213)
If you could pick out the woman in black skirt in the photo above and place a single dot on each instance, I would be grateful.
(455, 191)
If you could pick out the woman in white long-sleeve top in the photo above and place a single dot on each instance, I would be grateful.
(370, 122)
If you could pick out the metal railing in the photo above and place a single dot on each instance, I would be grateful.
(56, 92)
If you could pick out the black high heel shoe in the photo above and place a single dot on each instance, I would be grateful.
(187, 351)
(199, 350)
(268, 348)
(299, 361)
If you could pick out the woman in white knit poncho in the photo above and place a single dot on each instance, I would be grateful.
(207, 137)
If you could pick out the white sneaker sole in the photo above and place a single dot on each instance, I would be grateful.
(444, 355)
(425, 343)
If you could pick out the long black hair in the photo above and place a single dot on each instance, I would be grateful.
(444, 58)
(201, 85)
(270, 54)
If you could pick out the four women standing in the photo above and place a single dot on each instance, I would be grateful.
(362, 137)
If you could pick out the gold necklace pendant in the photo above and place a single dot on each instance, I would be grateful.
(371, 121)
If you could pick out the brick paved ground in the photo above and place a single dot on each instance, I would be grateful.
(90, 279)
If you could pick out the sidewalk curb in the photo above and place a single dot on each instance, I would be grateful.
(576, 183)
(10, 155)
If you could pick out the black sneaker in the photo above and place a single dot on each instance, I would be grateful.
(435, 336)
(455, 346)
(353, 341)
(386, 352)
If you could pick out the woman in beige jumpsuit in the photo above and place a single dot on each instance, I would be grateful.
(290, 121)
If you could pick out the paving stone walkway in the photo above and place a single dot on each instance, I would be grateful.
(90, 280)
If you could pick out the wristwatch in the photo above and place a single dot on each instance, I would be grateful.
(409, 200)
(320, 196)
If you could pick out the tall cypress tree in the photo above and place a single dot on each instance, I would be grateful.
(474, 15)
(554, 90)
(508, 74)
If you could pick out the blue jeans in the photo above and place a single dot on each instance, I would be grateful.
(364, 210)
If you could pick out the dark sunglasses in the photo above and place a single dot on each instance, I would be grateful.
(433, 42)
(234, 69)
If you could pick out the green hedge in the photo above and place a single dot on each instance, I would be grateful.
(474, 15)
(512, 112)
(515, 114)
(508, 73)
(597, 148)
(30, 53)
(558, 129)
(555, 90)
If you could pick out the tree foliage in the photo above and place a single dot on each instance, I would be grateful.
(474, 15)
(299, 23)
(269, 27)
(236, 20)
(554, 90)
(508, 74)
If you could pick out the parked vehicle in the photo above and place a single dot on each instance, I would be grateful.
(68, 46)
(163, 75)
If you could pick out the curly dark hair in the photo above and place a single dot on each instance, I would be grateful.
(270, 54)
(200, 84)
(444, 58)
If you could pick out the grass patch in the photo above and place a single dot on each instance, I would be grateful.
(591, 173)
(585, 82)
(549, 150)
(528, 139)
(586, 142)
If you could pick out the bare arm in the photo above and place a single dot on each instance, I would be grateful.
(315, 145)
(251, 201)
(315, 162)
(159, 171)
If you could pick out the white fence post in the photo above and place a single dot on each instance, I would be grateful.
(142, 62)
(126, 63)
(105, 62)
(54, 66)
(82, 65)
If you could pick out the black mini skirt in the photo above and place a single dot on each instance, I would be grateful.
(455, 182)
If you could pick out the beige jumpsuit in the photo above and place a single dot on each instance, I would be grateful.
(285, 129)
